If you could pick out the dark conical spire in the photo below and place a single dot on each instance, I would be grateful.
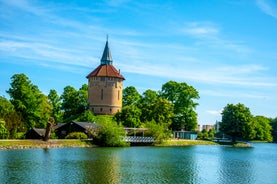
(106, 57)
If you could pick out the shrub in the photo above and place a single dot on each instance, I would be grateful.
(76, 135)
(110, 133)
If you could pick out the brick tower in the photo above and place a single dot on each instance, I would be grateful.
(105, 86)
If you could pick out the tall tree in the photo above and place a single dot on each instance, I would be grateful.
(130, 96)
(69, 102)
(155, 108)
(148, 99)
(274, 129)
(55, 101)
(262, 128)
(182, 96)
(237, 122)
(129, 116)
(11, 118)
(74, 102)
(28, 100)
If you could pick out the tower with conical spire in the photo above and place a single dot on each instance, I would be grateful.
(105, 86)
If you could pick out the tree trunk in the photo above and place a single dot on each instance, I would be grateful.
(48, 129)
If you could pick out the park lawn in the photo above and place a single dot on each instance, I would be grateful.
(185, 142)
(52, 143)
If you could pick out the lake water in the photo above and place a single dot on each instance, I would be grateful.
(191, 164)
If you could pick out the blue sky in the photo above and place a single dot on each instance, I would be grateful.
(227, 50)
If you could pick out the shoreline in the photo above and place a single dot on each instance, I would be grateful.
(14, 144)
(52, 143)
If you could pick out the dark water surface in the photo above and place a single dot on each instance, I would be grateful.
(192, 164)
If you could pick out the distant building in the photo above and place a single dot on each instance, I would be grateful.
(207, 127)
(105, 85)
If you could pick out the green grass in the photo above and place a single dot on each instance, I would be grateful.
(52, 143)
(185, 142)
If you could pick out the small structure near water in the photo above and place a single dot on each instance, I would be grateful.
(185, 135)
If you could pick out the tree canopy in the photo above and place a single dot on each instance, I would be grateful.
(28, 100)
(182, 96)
(237, 122)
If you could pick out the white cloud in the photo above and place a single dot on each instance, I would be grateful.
(268, 7)
(214, 112)
(200, 29)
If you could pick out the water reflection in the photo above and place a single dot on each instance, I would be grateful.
(195, 164)
(235, 166)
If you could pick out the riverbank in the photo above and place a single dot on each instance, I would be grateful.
(63, 143)
(185, 142)
(52, 143)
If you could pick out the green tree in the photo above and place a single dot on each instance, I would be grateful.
(74, 102)
(69, 99)
(109, 133)
(28, 100)
(55, 101)
(159, 132)
(5, 106)
(161, 112)
(237, 122)
(83, 98)
(262, 128)
(182, 96)
(274, 129)
(4, 133)
(129, 116)
(130, 96)
(86, 116)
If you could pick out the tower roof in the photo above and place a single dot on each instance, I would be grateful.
(105, 70)
(107, 57)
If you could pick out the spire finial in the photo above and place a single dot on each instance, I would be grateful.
(107, 57)
(107, 37)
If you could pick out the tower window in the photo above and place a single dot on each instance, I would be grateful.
(102, 94)
(102, 78)
(118, 95)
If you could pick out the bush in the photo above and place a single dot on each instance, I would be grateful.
(20, 135)
(76, 135)
(109, 134)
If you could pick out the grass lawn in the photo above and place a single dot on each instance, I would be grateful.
(52, 143)
(185, 142)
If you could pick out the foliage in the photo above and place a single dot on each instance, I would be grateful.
(237, 122)
(11, 118)
(74, 102)
(130, 96)
(4, 133)
(182, 96)
(262, 128)
(156, 108)
(129, 116)
(55, 102)
(206, 135)
(86, 116)
(20, 135)
(5, 106)
(274, 129)
(109, 133)
(159, 132)
(76, 135)
(28, 101)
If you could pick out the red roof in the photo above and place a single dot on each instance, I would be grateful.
(105, 71)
